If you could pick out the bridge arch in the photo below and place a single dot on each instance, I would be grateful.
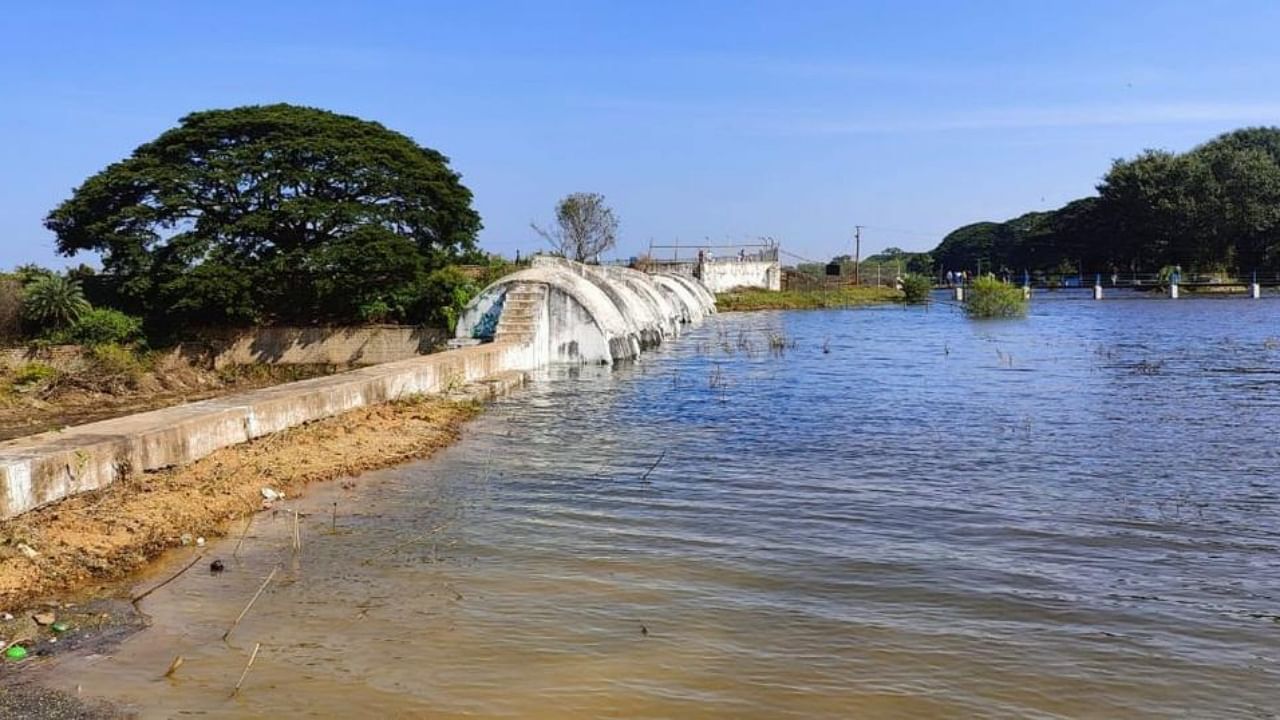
(569, 312)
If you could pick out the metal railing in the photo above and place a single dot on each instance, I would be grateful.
(677, 253)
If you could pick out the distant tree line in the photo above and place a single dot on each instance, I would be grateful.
(1214, 209)
(889, 262)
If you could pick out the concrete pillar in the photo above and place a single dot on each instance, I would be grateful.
(959, 294)
(1255, 291)
(1173, 291)
(1097, 292)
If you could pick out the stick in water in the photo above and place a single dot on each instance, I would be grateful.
(645, 477)
(173, 666)
(247, 525)
(297, 536)
(252, 600)
(254, 656)
(172, 577)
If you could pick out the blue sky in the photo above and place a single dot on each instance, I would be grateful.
(720, 120)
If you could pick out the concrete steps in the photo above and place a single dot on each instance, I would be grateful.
(521, 312)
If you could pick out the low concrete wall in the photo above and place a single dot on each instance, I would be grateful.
(723, 275)
(365, 345)
(62, 357)
(43, 468)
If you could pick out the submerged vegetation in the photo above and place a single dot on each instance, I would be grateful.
(849, 296)
(990, 297)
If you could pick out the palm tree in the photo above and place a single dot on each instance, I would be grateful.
(53, 301)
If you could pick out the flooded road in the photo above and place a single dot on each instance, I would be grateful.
(885, 513)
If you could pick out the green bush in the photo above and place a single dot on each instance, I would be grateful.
(375, 311)
(99, 326)
(916, 288)
(53, 301)
(444, 294)
(992, 298)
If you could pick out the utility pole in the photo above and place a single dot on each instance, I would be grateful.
(857, 254)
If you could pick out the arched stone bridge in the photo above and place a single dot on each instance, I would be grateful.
(567, 312)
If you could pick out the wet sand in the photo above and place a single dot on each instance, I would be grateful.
(97, 551)
(96, 538)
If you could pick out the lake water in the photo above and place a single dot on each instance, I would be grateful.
(899, 513)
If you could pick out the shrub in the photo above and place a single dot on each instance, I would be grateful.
(53, 301)
(992, 298)
(375, 311)
(100, 326)
(10, 309)
(116, 365)
(33, 374)
(444, 295)
(916, 288)
(31, 272)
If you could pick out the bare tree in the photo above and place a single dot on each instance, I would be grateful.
(585, 227)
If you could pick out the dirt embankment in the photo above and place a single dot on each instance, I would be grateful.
(86, 541)
(47, 390)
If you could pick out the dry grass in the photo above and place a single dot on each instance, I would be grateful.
(805, 299)
(103, 536)
(110, 381)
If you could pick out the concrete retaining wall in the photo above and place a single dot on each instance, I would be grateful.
(43, 468)
(62, 357)
(723, 275)
(365, 345)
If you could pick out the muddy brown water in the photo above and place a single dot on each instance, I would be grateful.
(901, 514)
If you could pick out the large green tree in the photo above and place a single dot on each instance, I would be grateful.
(1214, 208)
(270, 214)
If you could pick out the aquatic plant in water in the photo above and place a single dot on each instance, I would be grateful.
(916, 288)
(990, 297)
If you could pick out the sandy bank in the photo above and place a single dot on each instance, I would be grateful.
(87, 541)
